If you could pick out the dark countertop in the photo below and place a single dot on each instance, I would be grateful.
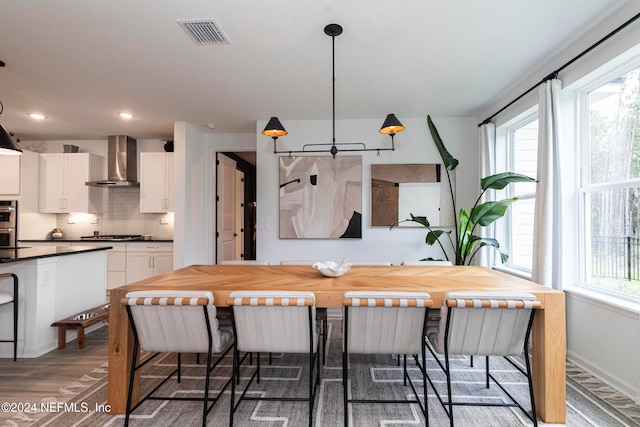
(90, 241)
(26, 253)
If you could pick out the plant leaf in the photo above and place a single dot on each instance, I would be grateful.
(486, 213)
(434, 235)
(449, 161)
(422, 220)
(501, 180)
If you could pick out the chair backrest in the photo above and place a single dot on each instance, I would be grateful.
(274, 321)
(174, 321)
(243, 262)
(385, 322)
(427, 263)
(370, 263)
(485, 323)
(298, 262)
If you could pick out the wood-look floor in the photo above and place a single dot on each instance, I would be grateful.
(34, 380)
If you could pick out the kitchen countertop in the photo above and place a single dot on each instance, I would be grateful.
(27, 253)
(90, 241)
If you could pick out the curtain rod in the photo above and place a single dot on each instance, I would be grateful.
(554, 74)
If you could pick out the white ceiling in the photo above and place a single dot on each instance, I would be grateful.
(80, 62)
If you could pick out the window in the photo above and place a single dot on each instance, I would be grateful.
(524, 147)
(610, 189)
(522, 141)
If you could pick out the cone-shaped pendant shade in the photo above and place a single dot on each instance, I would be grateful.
(274, 128)
(7, 145)
(391, 125)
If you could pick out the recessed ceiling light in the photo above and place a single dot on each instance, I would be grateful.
(37, 116)
(126, 115)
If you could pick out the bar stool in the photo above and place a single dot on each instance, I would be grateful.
(6, 298)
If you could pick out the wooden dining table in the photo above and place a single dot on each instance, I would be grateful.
(548, 340)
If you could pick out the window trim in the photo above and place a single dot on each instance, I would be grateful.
(584, 186)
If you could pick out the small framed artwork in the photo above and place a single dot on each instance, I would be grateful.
(320, 197)
(419, 189)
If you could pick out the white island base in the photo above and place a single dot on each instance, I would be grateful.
(49, 289)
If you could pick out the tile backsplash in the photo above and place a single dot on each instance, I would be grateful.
(121, 216)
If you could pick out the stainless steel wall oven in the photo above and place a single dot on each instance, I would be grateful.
(8, 223)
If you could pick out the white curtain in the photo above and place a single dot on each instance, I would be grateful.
(487, 136)
(547, 218)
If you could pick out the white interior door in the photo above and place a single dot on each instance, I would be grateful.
(240, 254)
(226, 208)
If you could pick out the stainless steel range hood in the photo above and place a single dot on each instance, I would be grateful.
(122, 163)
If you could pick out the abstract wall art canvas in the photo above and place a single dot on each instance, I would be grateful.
(320, 197)
(419, 189)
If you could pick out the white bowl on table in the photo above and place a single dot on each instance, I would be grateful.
(331, 268)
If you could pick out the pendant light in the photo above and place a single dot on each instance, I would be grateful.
(7, 145)
(275, 129)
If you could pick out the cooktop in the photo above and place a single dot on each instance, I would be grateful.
(113, 237)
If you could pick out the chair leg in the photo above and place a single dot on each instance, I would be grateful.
(450, 397)
(15, 317)
(206, 389)
(179, 367)
(324, 340)
(131, 377)
(235, 373)
(487, 371)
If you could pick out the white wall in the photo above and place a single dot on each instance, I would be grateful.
(414, 145)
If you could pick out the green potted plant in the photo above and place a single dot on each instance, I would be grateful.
(465, 243)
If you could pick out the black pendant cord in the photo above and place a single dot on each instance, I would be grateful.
(333, 84)
(554, 74)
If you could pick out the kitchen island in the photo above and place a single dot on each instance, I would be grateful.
(54, 282)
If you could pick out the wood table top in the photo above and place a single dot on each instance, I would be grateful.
(223, 279)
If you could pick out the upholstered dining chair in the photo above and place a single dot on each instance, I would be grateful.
(385, 323)
(7, 298)
(371, 263)
(484, 324)
(243, 262)
(274, 321)
(297, 262)
(322, 314)
(179, 322)
(431, 263)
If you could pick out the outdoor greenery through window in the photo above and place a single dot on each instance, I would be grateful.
(523, 143)
(611, 186)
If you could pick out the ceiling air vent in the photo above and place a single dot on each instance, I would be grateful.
(204, 31)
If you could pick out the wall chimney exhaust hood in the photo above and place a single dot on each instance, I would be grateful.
(122, 163)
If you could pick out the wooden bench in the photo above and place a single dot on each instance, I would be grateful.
(80, 321)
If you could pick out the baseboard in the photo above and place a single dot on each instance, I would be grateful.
(630, 390)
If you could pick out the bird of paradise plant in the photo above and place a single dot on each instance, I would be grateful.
(465, 242)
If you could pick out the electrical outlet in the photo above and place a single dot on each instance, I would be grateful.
(164, 220)
(94, 220)
(71, 219)
(263, 224)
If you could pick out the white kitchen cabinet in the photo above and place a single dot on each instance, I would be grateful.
(9, 175)
(156, 182)
(148, 259)
(62, 180)
(116, 261)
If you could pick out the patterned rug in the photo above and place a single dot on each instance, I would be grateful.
(589, 401)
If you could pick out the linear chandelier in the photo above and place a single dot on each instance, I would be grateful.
(390, 127)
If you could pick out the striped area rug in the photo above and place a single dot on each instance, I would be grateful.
(589, 402)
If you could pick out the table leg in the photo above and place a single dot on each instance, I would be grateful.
(62, 337)
(80, 331)
(549, 353)
(120, 354)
